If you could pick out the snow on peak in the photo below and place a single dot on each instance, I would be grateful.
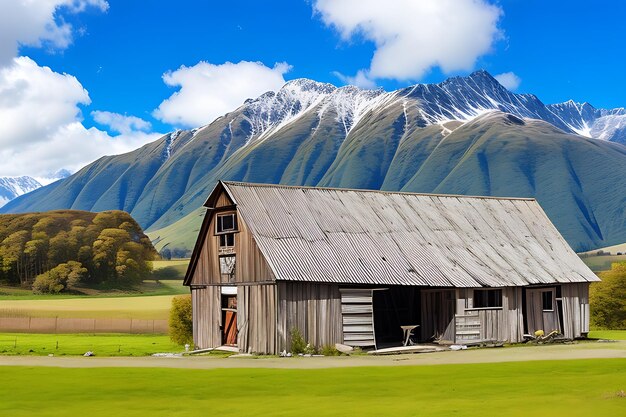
(12, 187)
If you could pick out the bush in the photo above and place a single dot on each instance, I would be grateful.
(329, 350)
(181, 320)
(297, 342)
(608, 298)
(59, 278)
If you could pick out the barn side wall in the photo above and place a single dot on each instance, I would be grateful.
(575, 301)
(504, 324)
(256, 318)
(314, 309)
(207, 317)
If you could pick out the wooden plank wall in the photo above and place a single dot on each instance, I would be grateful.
(250, 264)
(536, 318)
(314, 309)
(503, 324)
(207, 317)
(437, 315)
(256, 319)
(575, 301)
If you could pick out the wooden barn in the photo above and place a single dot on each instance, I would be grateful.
(354, 266)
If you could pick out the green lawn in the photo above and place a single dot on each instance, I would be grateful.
(173, 269)
(78, 344)
(608, 334)
(546, 388)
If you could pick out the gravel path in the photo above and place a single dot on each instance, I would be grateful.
(587, 350)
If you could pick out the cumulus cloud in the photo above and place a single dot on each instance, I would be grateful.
(36, 23)
(361, 79)
(41, 126)
(509, 80)
(208, 91)
(120, 123)
(412, 37)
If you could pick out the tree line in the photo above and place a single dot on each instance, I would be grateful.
(55, 250)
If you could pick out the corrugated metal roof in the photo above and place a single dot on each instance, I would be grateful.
(392, 238)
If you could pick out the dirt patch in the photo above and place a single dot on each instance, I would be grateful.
(587, 350)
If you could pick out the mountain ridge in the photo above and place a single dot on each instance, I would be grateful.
(310, 133)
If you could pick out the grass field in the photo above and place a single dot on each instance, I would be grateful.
(78, 344)
(602, 263)
(608, 334)
(173, 269)
(146, 307)
(547, 388)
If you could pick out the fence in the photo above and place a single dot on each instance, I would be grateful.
(73, 325)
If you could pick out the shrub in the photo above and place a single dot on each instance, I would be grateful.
(329, 350)
(181, 320)
(297, 342)
(608, 298)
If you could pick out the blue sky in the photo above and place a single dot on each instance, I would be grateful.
(119, 50)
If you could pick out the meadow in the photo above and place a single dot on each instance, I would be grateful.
(79, 343)
(602, 263)
(552, 388)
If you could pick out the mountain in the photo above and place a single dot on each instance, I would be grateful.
(467, 135)
(586, 120)
(11, 187)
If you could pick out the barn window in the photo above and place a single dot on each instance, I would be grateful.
(226, 223)
(227, 268)
(487, 298)
(546, 298)
(227, 240)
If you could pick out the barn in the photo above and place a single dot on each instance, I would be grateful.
(355, 266)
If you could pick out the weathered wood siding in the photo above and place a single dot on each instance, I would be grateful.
(575, 301)
(503, 323)
(437, 308)
(536, 317)
(207, 317)
(314, 309)
(250, 264)
(257, 318)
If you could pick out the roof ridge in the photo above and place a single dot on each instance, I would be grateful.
(308, 187)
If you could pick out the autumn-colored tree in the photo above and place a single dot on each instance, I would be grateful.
(110, 245)
(608, 298)
(59, 278)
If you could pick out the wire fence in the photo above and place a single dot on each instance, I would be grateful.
(76, 325)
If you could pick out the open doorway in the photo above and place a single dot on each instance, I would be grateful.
(395, 307)
(229, 320)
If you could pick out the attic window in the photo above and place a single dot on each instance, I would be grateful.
(226, 223)
(488, 298)
(227, 240)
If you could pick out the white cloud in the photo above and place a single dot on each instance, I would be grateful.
(361, 79)
(120, 123)
(40, 123)
(36, 23)
(509, 80)
(412, 37)
(208, 91)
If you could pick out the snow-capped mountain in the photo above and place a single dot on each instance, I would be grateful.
(586, 120)
(466, 135)
(53, 176)
(11, 187)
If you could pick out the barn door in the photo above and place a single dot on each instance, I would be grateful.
(358, 317)
(229, 320)
(541, 310)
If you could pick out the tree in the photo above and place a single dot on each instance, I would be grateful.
(181, 320)
(608, 298)
(59, 278)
